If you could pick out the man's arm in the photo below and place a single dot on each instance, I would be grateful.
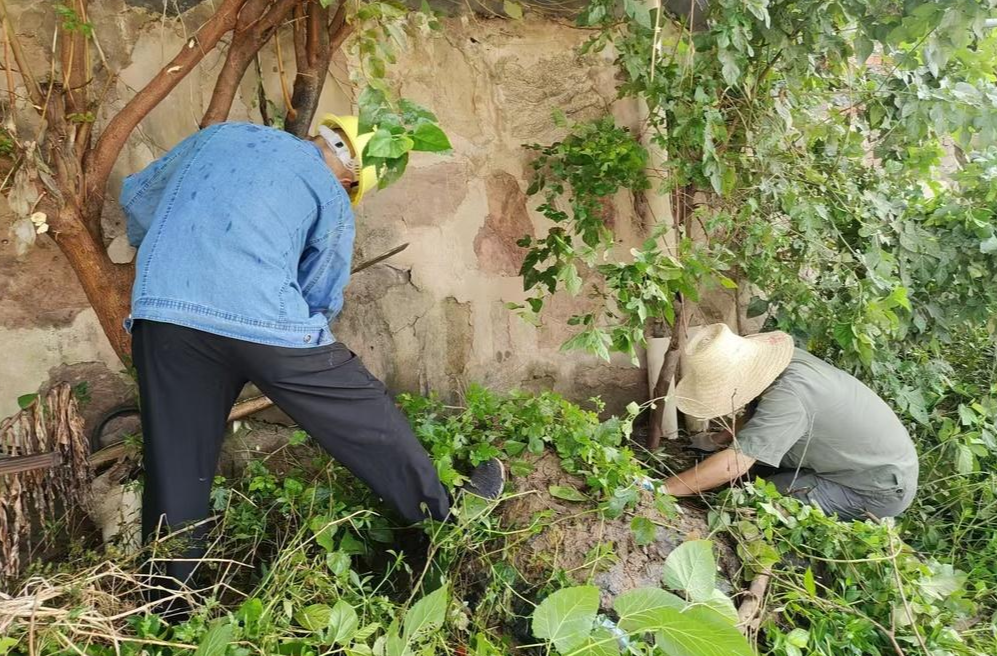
(325, 265)
(720, 468)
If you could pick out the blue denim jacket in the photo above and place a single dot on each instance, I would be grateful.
(242, 231)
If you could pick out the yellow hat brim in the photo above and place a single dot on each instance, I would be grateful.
(349, 125)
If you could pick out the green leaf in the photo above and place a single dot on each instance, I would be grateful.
(566, 493)
(640, 610)
(723, 605)
(315, 617)
(513, 9)
(520, 467)
(844, 334)
(6, 644)
(566, 616)
(644, 530)
(26, 400)
(428, 137)
(944, 582)
(966, 415)
(338, 562)
(324, 529)
(366, 632)
(215, 642)
(572, 281)
(351, 545)
(757, 306)
(388, 145)
(692, 569)
(808, 582)
(798, 638)
(639, 12)
(700, 631)
(250, 611)
(863, 48)
(426, 615)
(602, 642)
(343, 623)
(965, 461)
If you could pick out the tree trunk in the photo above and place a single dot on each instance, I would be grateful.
(668, 370)
(316, 38)
(106, 284)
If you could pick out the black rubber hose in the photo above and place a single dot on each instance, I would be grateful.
(123, 410)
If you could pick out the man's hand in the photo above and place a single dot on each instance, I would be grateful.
(724, 467)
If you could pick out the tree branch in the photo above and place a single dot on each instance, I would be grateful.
(253, 30)
(100, 160)
(313, 61)
(74, 65)
(34, 91)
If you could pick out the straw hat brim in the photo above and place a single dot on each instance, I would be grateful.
(706, 397)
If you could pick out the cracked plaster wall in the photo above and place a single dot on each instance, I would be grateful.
(434, 316)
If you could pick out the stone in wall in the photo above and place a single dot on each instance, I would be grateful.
(508, 221)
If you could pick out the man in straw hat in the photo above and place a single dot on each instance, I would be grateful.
(245, 237)
(830, 439)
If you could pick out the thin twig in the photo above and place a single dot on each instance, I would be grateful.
(34, 91)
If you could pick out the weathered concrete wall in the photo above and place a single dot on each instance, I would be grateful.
(434, 317)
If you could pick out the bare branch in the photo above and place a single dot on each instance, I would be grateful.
(100, 160)
(251, 33)
(34, 91)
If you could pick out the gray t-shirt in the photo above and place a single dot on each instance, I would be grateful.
(815, 416)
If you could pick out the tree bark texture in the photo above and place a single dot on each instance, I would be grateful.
(316, 38)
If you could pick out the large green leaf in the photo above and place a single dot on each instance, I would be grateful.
(343, 623)
(388, 145)
(315, 618)
(429, 137)
(700, 631)
(602, 642)
(722, 604)
(692, 569)
(640, 610)
(566, 616)
(215, 641)
(426, 615)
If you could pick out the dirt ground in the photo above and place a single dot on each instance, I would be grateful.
(575, 529)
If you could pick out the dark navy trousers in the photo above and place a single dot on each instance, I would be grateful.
(188, 382)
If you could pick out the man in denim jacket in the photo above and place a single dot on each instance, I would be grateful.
(245, 237)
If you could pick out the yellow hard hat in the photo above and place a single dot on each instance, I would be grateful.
(350, 126)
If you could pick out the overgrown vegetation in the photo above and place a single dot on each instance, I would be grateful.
(326, 569)
(305, 561)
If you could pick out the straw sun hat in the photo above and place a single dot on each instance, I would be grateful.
(724, 371)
